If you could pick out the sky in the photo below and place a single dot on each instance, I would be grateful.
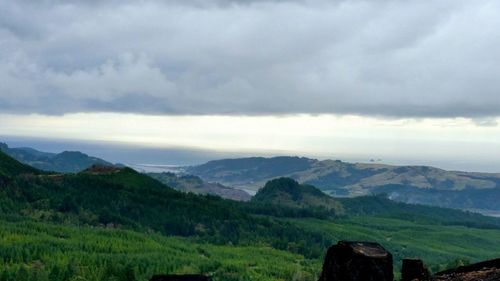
(401, 81)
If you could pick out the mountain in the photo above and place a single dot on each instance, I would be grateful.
(288, 192)
(102, 195)
(251, 172)
(64, 162)
(194, 184)
(133, 212)
(124, 198)
(411, 184)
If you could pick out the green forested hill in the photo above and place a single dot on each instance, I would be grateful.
(288, 192)
(125, 198)
(36, 251)
(10, 167)
(64, 162)
(91, 223)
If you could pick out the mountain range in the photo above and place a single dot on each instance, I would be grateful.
(410, 184)
(76, 161)
(133, 212)
(232, 178)
(64, 162)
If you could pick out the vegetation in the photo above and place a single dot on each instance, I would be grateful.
(194, 184)
(107, 223)
(46, 252)
(440, 246)
(127, 199)
(254, 169)
(288, 192)
(381, 206)
(65, 162)
(411, 184)
(10, 167)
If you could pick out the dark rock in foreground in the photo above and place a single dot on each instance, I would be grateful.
(414, 269)
(357, 261)
(483, 271)
(190, 277)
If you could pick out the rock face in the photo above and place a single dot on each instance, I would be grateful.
(191, 277)
(483, 271)
(357, 261)
(414, 269)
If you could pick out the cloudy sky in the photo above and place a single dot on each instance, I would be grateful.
(412, 80)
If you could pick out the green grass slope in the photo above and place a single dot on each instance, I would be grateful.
(440, 246)
(194, 184)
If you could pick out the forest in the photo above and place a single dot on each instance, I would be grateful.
(110, 223)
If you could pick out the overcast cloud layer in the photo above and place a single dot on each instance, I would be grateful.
(388, 58)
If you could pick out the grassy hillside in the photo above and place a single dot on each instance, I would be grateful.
(251, 172)
(410, 184)
(380, 206)
(286, 192)
(469, 198)
(194, 184)
(335, 175)
(438, 245)
(46, 250)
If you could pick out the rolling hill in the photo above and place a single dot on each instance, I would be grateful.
(411, 184)
(64, 162)
(124, 198)
(194, 184)
(75, 161)
(45, 215)
(288, 192)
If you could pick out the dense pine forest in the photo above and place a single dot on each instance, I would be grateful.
(108, 223)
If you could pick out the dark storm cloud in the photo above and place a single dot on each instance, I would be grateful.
(382, 58)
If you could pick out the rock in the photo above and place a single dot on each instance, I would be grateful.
(357, 261)
(188, 277)
(484, 271)
(414, 269)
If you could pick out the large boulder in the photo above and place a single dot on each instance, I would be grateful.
(414, 269)
(357, 261)
(189, 277)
